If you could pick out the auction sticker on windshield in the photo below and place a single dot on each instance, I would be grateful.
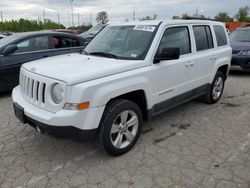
(145, 28)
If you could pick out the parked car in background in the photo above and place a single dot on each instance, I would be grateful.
(92, 32)
(71, 31)
(2, 36)
(240, 42)
(24, 47)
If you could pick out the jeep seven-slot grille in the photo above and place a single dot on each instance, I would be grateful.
(32, 89)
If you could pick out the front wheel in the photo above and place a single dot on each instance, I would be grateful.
(216, 89)
(120, 127)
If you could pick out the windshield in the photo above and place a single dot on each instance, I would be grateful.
(240, 35)
(94, 30)
(123, 42)
(8, 39)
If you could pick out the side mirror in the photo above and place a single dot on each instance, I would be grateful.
(167, 54)
(9, 49)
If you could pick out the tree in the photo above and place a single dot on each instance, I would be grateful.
(175, 17)
(23, 25)
(149, 17)
(223, 17)
(242, 15)
(102, 17)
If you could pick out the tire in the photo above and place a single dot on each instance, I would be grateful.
(216, 89)
(124, 118)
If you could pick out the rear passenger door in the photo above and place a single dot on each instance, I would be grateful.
(204, 53)
(64, 44)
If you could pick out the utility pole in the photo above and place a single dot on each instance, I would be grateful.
(58, 18)
(197, 12)
(91, 18)
(72, 13)
(43, 16)
(1, 13)
(134, 15)
(78, 17)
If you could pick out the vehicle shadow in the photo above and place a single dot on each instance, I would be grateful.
(5, 94)
(239, 73)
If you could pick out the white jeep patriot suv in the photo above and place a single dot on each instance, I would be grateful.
(127, 74)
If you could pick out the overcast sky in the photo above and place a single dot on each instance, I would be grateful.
(118, 10)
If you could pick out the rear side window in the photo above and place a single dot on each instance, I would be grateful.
(176, 37)
(220, 35)
(64, 42)
(203, 37)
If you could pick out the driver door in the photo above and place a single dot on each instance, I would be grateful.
(27, 50)
(173, 78)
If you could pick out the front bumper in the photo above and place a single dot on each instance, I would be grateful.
(242, 61)
(84, 120)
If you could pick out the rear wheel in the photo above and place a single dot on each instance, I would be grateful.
(216, 89)
(120, 127)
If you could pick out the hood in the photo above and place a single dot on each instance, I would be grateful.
(77, 68)
(240, 45)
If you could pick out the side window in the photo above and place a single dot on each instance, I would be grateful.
(177, 37)
(33, 44)
(64, 42)
(220, 35)
(203, 38)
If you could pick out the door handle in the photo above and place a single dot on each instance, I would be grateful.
(213, 58)
(189, 64)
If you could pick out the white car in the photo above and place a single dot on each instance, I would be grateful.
(127, 74)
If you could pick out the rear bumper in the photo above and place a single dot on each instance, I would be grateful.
(241, 61)
(83, 120)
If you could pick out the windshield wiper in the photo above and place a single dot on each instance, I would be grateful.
(103, 54)
(82, 51)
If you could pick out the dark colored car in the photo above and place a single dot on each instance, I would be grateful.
(71, 31)
(2, 36)
(24, 47)
(240, 42)
(92, 32)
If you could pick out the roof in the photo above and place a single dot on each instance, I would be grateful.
(35, 33)
(171, 22)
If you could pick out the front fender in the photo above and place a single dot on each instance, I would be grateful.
(100, 92)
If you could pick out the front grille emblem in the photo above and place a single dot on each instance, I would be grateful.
(33, 69)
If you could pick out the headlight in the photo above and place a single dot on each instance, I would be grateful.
(245, 53)
(57, 93)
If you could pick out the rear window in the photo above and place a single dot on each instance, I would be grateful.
(220, 35)
(203, 37)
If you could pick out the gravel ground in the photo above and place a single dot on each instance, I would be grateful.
(193, 145)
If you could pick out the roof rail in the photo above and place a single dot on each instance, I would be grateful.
(195, 18)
